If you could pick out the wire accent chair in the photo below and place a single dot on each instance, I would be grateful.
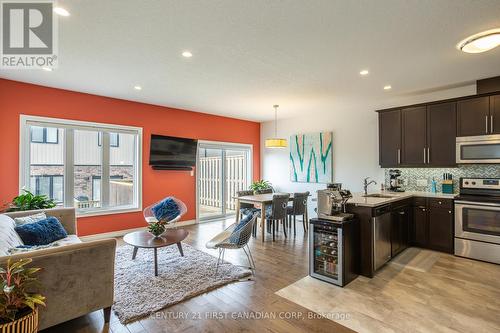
(230, 240)
(149, 216)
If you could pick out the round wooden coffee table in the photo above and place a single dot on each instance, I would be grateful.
(146, 240)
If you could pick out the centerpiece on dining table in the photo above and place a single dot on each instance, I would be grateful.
(162, 214)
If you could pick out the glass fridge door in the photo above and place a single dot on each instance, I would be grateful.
(326, 253)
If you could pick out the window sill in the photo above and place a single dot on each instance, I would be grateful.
(109, 211)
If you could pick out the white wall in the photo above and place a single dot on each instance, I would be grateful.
(355, 140)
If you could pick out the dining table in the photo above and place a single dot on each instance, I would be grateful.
(262, 200)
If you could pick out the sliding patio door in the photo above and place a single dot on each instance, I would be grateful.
(222, 170)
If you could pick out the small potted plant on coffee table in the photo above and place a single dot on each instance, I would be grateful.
(18, 301)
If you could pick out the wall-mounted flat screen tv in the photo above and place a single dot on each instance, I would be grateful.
(172, 153)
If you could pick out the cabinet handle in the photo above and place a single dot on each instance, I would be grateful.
(399, 155)
(449, 211)
(491, 124)
(401, 213)
(439, 202)
(425, 158)
(423, 209)
(428, 155)
(486, 119)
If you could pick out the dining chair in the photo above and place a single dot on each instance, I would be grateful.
(246, 208)
(278, 213)
(299, 207)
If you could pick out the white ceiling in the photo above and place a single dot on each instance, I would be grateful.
(249, 55)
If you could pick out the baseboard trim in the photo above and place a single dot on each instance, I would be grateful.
(121, 233)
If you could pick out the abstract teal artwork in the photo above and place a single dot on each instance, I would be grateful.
(311, 157)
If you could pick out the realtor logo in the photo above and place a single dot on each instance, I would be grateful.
(28, 35)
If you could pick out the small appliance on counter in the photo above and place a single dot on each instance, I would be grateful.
(394, 181)
(477, 219)
(331, 203)
(334, 238)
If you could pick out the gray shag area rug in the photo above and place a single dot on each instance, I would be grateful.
(138, 293)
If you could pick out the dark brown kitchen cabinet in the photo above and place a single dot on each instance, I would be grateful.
(432, 226)
(414, 135)
(390, 138)
(473, 116)
(419, 228)
(495, 114)
(400, 224)
(441, 229)
(441, 134)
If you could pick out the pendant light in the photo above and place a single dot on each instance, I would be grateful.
(276, 142)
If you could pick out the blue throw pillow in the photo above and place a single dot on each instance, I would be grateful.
(42, 232)
(167, 209)
(243, 222)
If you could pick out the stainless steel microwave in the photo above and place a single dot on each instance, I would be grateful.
(478, 149)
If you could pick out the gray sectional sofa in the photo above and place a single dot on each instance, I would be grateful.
(77, 277)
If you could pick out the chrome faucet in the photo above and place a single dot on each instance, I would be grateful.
(366, 183)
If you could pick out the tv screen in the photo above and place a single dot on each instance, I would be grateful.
(169, 152)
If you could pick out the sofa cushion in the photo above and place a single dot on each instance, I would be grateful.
(8, 236)
(42, 232)
(71, 239)
(30, 219)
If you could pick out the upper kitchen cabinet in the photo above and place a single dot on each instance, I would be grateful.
(390, 138)
(495, 114)
(441, 134)
(414, 144)
(473, 116)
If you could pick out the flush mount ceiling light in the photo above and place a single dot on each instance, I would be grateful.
(387, 87)
(364, 72)
(61, 11)
(187, 54)
(481, 42)
(276, 142)
(137, 87)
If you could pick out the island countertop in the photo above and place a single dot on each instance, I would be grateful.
(359, 199)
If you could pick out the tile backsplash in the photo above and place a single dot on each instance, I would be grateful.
(414, 174)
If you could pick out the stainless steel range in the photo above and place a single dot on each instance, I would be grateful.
(477, 219)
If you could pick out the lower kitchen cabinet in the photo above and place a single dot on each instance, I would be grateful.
(400, 225)
(433, 224)
(441, 229)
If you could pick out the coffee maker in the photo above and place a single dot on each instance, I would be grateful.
(332, 201)
(394, 181)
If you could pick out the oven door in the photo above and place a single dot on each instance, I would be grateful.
(477, 221)
(478, 149)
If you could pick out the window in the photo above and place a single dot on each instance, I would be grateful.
(49, 185)
(44, 135)
(114, 139)
(93, 167)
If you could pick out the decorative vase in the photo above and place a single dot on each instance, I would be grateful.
(26, 324)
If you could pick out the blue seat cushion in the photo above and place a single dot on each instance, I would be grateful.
(42, 232)
(246, 211)
(166, 210)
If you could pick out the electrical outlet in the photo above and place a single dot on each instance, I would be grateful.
(422, 182)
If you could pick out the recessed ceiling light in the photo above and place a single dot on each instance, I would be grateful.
(61, 11)
(187, 54)
(481, 42)
(364, 72)
(47, 69)
(387, 87)
(137, 87)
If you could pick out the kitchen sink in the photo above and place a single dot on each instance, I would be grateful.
(377, 195)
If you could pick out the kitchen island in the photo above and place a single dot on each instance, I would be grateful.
(390, 222)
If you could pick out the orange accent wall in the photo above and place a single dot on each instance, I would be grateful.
(18, 98)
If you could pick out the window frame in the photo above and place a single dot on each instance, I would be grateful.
(44, 137)
(68, 184)
(99, 140)
(36, 190)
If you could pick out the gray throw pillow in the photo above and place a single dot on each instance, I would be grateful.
(30, 219)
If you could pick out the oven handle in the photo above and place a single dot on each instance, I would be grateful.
(472, 203)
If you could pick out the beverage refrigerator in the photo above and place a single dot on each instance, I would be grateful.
(334, 250)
